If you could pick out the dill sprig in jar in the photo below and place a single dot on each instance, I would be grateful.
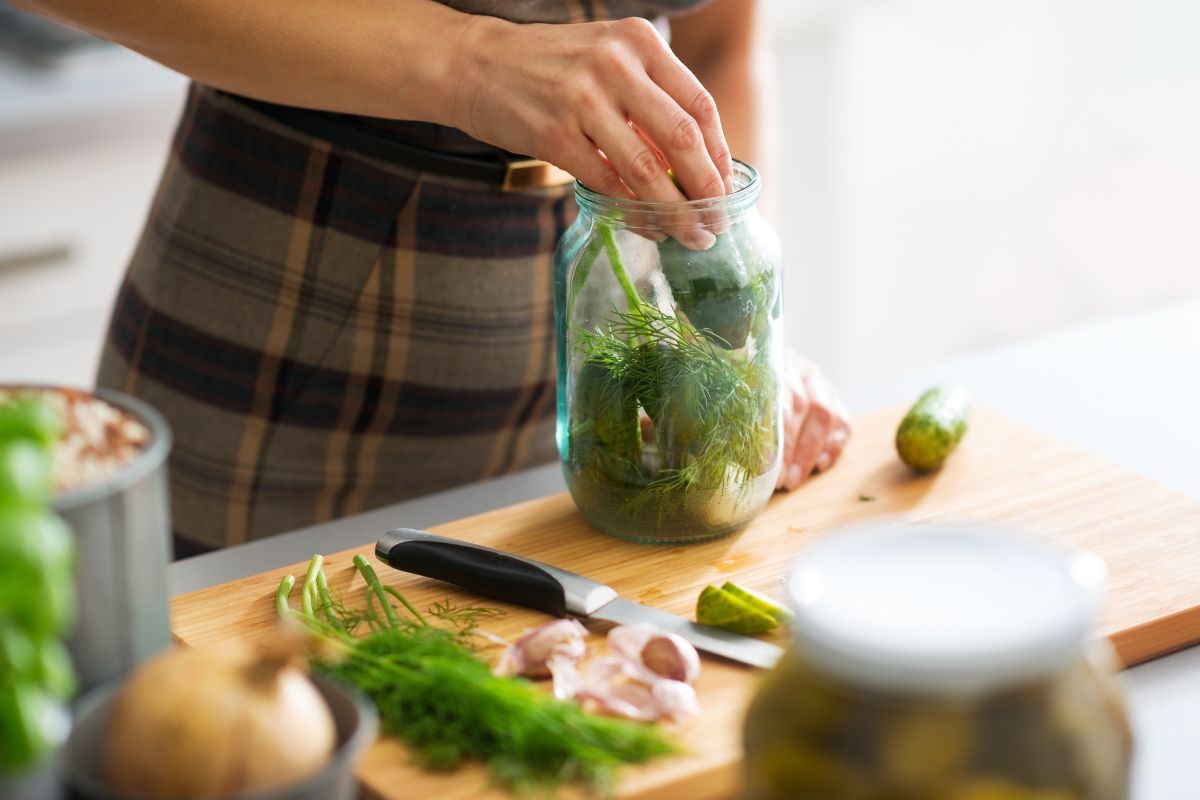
(669, 345)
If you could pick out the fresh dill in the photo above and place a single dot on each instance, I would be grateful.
(434, 693)
(714, 416)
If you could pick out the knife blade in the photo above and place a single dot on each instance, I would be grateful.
(552, 590)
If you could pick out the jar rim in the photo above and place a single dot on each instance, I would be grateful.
(747, 187)
(948, 609)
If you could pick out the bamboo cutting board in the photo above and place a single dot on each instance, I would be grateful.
(1002, 472)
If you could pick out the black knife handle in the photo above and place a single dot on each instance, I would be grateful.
(491, 572)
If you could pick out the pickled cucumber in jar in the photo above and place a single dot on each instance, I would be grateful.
(914, 675)
(669, 413)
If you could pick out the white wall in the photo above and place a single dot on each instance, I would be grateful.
(962, 173)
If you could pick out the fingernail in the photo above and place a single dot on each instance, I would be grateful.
(699, 239)
(823, 461)
(793, 475)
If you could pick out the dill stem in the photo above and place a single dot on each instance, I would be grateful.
(582, 270)
(373, 584)
(614, 258)
(326, 599)
(309, 589)
(372, 619)
(281, 596)
(404, 602)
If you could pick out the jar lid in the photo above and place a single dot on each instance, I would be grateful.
(942, 609)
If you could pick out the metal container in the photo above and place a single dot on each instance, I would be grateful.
(353, 716)
(122, 531)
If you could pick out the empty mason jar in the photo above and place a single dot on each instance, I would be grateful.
(669, 347)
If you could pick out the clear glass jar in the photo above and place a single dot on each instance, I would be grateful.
(973, 683)
(669, 354)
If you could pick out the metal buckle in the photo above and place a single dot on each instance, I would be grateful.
(533, 173)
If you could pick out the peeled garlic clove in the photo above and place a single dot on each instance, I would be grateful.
(671, 656)
(613, 685)
(627, 641)
(529, 656)
(674, 700)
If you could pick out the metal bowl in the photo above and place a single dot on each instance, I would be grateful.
(353, 715)
(122, 527)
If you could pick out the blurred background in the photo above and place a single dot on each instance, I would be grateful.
(955, 175)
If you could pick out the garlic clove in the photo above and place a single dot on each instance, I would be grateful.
(674, 700)
(530, 654)
(671, 656)
(627, 641)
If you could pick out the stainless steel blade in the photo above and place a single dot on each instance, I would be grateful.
(733, 646)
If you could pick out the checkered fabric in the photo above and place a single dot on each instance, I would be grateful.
(327, 333)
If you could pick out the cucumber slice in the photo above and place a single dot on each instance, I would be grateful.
(759, 602)
(720, 609)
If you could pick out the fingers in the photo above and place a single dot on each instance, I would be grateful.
(677, 135)
(796, 404)
(592, 169)
(640, 168)
(632, 157)
(824, 432)
(838, 433)
(811, 443)
(685, 89)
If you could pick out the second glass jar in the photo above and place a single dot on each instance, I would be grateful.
(669, 345)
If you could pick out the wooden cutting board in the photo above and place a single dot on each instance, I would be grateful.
(1003, 472)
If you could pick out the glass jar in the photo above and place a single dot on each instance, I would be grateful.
(669, 348)
(940, 665)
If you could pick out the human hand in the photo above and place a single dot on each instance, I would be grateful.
(815, 424)
(606, 101)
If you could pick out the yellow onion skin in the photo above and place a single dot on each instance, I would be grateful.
(214, 722)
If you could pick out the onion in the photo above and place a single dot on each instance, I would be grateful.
(206, 723)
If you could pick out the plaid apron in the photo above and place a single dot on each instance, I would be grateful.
(326, 332)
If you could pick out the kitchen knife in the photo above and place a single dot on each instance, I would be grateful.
(555, 591)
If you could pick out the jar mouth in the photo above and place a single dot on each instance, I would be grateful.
(746, 188)
(952, 609)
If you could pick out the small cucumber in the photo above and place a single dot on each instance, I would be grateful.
(933, 427)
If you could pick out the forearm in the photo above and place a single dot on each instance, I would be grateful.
(397, 59)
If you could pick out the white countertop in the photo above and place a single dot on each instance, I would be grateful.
(1126, 387)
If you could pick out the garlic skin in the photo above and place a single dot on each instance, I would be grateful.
(568, 680)
(561, 639)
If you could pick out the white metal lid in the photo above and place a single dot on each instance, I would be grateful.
(942, 609)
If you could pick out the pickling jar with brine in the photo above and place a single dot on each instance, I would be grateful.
(941, 664)
(669, 347)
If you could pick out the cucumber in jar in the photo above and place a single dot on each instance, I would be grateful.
(673, 411)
